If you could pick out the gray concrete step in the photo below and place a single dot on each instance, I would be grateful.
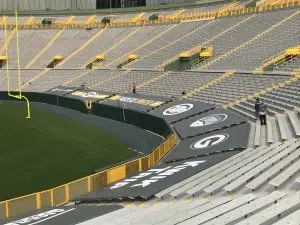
(295, 122)
(243, 113)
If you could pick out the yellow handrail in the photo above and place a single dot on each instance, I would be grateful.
(231, 10)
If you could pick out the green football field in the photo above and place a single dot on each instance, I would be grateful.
(49, 150)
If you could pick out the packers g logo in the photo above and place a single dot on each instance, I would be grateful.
(89, 94)
(177, 109)
(209, 141)
(208, 120)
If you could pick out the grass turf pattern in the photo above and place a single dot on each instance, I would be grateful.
(49, 150)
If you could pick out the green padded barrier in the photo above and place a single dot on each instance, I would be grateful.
(72, 103)
(107, 111)
(148, 122)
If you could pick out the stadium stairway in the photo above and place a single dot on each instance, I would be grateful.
(48, 46)
(123, 73)
(82, 47)
(148, 55)
(256, 186)
(208, 84)
(149, 82)
(120, 59)
(27, 76)
(82, 76)
(9, 38)
(77, 78)
(207, 42)
(122, 40)
(34, 78)
(283, 104)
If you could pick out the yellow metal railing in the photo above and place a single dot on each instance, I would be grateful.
(279, 58)
(64, 193)
(233, 10)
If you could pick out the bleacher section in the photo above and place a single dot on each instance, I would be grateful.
(277, 37)
(240, 43)
(100, 45)
(238, 190)
(173, 84)
(235, 87)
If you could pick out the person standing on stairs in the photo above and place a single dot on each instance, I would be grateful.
(257, 103)
(263, 113)
(133, 88)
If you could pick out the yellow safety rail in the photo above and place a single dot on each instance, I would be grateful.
(69, 20)
(174, 15)
(3, 20)
(140, 15)
(90, 20)
(19, 96)
(270, 2)
(31, 20)
(64, 193)
(279, 58)
(231, 10)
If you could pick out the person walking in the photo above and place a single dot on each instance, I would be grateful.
(256, 106)
(133, 88)
(263, 113)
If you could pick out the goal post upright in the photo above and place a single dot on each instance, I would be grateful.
(18, 96)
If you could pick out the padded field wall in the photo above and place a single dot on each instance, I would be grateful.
(143, 120)
(62, 101)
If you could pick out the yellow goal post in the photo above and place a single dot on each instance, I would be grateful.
(17, 96)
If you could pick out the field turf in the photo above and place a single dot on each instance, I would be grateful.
(49, 150)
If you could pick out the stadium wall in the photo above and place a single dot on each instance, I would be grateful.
(42, 5)
(66, 192)
(77, 7)
(159, 2)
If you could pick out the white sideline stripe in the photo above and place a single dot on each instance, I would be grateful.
(52, 217)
